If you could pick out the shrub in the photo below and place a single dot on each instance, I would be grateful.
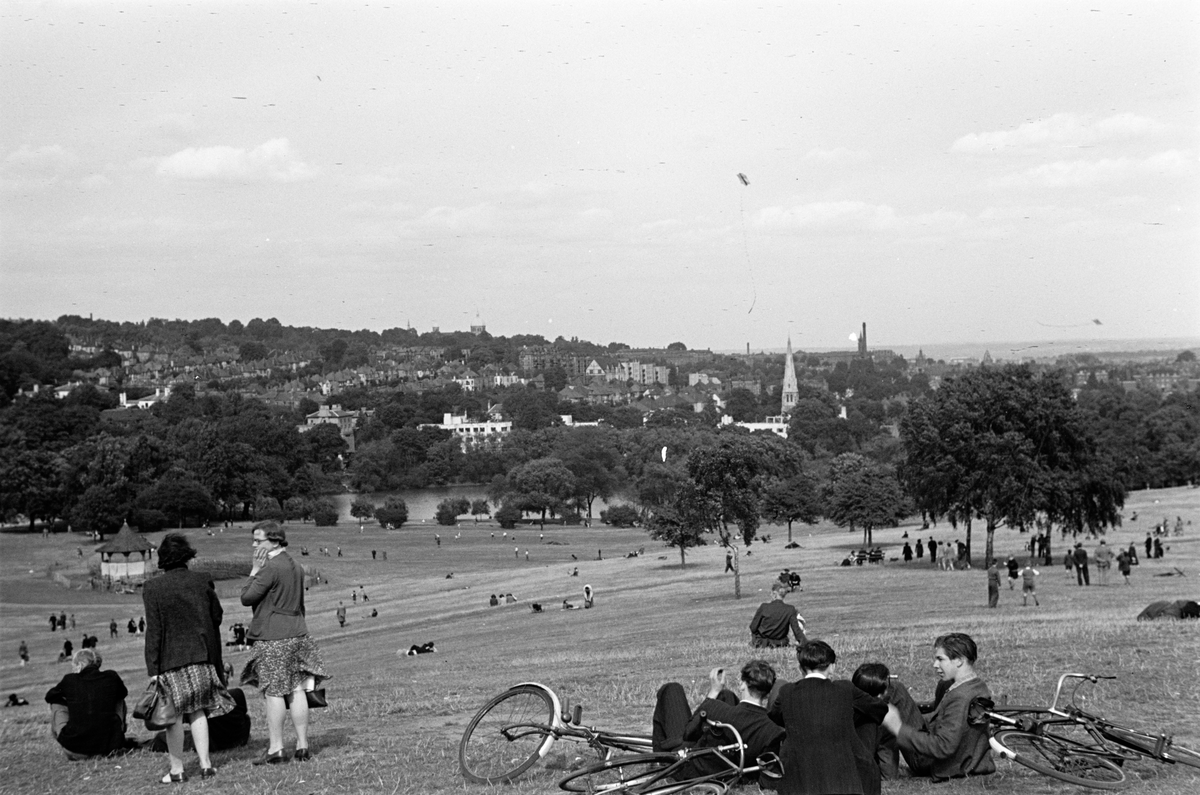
(447, 512)
(394, 512)
(222, 569)
(620, 516)
(508, 516)
(324, 514)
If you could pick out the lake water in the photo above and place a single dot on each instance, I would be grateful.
(422, 503)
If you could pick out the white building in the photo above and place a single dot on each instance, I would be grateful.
(470, 433)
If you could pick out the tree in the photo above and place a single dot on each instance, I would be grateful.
(31, 484)
(252, 351)
(790, 500)
(508, 516)
(178, 495)
(593, 458)
(480, 508)
(864, 494)
(324, 513)
(683, 523)
(394, 512)
(620, 516)
(450, 509)
(541, 485)
(98, 511)
(362, 509)
(1003, 445)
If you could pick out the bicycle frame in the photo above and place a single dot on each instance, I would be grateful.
(603, 742)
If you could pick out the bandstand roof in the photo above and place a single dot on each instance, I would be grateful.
(125, 541)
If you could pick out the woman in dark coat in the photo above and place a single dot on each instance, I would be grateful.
(87, 708)
(822, 754)
(183, 649)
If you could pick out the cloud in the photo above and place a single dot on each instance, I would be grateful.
(46, 161)
(838, 155)
(272, 161)
(1075, 173)
(1060, 130)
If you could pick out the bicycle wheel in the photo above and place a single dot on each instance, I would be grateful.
(622, 774)
(1145, 744)
(507, 736)
(1061, 759)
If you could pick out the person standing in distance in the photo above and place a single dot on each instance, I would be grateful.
(286, 661)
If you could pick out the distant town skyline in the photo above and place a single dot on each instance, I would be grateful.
(695, 171)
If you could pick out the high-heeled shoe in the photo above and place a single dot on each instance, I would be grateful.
(208, 772)
(174, 778)
(274, 758)
(302, 755)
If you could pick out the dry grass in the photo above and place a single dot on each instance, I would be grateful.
(394, 721)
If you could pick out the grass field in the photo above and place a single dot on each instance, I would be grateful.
(394, 722)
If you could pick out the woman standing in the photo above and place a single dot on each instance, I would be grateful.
(286, 661)
(183, 649)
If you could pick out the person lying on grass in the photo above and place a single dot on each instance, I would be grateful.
(943, 744)
(743, 710)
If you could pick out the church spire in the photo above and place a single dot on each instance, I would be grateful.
(791, 391)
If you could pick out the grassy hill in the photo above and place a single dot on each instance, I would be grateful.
(394, 721)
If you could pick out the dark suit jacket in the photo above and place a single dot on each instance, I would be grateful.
(759, 733)
(822, 753)
(277, 595)
(183, 621)
(947, 746)
(772, 621)
(91, 697)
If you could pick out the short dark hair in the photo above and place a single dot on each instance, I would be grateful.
(272, 531)
(759, 677)
(958, 646)
(816, 655)
(871, 678)
(175, 551)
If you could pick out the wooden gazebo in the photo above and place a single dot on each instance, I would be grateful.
(126, 556)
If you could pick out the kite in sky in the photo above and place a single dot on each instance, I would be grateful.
(742, 177)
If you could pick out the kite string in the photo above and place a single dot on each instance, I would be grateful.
(746, 250)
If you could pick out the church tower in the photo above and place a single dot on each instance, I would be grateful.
(791, 391)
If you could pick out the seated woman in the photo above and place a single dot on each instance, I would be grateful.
(87, 708)
(874, 679)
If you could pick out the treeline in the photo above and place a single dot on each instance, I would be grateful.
(184, 461)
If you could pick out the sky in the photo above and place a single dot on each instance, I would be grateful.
(945, 171)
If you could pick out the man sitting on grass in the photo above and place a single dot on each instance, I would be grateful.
(743, 710)
(943, 744)
(771, 623)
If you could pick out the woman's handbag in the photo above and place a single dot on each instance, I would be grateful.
(316, 698)
(155, 707)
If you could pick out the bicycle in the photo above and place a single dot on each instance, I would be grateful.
(709, 768)
(517, 728)
(1066, 742)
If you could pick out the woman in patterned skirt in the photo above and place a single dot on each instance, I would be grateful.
(183, 650)
(286, 660)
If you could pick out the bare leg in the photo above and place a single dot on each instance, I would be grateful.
(174, 735)
(200, 737)
(276, 709)
(300, 717)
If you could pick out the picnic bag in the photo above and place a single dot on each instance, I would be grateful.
(155, 707)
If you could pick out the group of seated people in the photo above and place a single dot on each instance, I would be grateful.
(88, 716)
(837, 736)
(863, 556)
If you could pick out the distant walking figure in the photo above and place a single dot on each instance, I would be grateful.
(1027, 586)
(993, 583)
(933, 545)
(728, 561)
(1080, 557)
(920, 549)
